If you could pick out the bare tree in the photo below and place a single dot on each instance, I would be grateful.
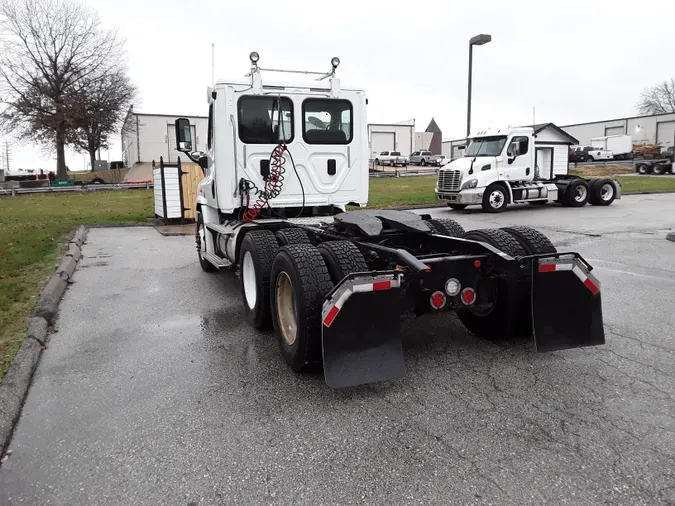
(48, 48)
(658, 99)
(102, 104)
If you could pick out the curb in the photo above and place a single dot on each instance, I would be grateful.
(671, 236)
(17, 381)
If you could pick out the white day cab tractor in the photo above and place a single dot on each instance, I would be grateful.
(512, 166)
(283, 162)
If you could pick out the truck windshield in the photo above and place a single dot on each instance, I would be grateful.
(486, 146)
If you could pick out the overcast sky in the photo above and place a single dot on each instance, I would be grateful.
(574, 61)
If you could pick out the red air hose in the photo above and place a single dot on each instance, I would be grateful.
(273, 184)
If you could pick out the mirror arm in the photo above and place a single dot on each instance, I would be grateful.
(187, 153)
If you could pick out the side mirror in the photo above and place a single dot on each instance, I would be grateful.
(183, 135)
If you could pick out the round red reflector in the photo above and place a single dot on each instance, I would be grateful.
(476, 264)
(468, 296)
(437, 300)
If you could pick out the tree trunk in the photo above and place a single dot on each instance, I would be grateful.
(92, 158)
(61, 171)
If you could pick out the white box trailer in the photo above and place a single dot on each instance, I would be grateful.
(621, 146)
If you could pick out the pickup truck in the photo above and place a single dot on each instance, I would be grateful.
(392, 158)
(597, 153)
(421, 158)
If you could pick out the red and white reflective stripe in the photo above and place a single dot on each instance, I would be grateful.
(592, 284)
(555, 267)
(331, 310)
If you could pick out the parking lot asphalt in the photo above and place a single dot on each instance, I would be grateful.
(154, 390)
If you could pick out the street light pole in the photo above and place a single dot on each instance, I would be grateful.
(478, 40)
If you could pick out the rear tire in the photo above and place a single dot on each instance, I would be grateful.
(300, 282)
(642, 169)
(495, 199)
(257, 253)
(508, 316)
(576, 193)
(342, 258)
(531, 240)
(446, 227)
(658, 169)
(603, 192)
(291, 235)
(457, 207)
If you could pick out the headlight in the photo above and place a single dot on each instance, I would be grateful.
(471, 183)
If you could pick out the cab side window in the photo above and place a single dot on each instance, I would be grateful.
(522, 142)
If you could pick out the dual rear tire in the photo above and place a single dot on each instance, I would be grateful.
(510, 312)
(285, 286)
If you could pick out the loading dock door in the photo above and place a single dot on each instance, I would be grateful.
(615, 130)
(545, 163)
(665, 133)
(382, 141)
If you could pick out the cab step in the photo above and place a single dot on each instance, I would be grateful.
(218, 262)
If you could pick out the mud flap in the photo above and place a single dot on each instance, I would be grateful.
(566, 305)
(361, 334)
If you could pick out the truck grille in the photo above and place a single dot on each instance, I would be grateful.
(448, 180)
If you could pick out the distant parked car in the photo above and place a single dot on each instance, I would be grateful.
(420, 158)
(437, 160)
(392, 158)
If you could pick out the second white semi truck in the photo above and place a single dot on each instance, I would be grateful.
(518, 165)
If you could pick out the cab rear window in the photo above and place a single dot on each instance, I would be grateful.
(327, 121)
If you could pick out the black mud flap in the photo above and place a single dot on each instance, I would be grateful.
(566, 305)
(361, 332)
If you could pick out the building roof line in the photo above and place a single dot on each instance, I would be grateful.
(619, 119)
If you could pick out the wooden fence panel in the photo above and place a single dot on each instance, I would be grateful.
(191, 178)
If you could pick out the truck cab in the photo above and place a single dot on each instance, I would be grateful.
(515, 165)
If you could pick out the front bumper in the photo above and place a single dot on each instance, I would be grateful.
(468, 197)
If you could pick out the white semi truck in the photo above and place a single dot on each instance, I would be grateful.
(512, 166)
(282, 163)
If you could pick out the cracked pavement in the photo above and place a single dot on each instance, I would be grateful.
(154, 390)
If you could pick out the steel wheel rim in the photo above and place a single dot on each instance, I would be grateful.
(248, 278)
(607, 191)
(285, 303)
(580, 193)
(496, 199)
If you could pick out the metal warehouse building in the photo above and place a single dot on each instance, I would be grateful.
(401, 136)
(146, 137)
(653, 129)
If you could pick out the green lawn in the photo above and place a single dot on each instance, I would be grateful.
(33, 232)
(392, 192)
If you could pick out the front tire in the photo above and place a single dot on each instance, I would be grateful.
(300, 282)
(495, 199)
(257, 253)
